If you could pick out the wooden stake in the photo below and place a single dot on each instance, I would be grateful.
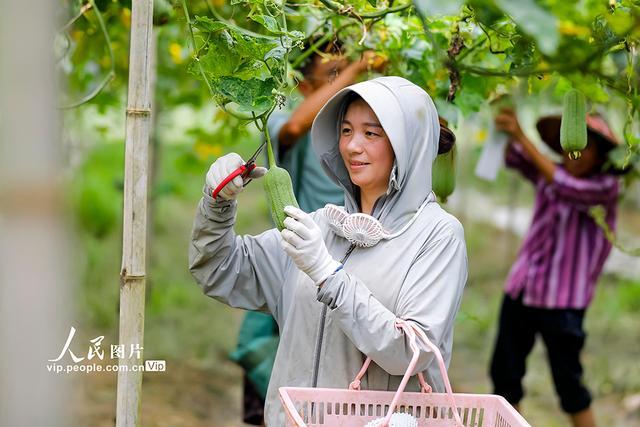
(133, 273)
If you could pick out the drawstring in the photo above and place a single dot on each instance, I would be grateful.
(323, 316)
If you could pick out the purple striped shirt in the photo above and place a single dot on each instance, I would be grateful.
(564, 250)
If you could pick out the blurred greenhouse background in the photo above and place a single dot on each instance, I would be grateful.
(195, 334)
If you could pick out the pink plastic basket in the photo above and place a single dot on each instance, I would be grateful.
(338, 407)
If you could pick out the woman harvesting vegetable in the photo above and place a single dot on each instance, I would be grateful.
(553, 280)
(345, 274)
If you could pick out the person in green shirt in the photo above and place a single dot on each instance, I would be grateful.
(325, 73)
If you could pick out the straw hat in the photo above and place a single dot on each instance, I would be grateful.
(549, 130)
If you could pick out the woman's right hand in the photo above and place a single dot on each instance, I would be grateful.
(222, 168)
(507, 121)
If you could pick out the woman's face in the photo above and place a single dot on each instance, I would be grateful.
(365, 149)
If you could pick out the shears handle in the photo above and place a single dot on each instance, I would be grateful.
(243, 171)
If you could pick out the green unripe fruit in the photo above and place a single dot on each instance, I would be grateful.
(443, 175)
(573, 127)
(277, 185)
(279, 189)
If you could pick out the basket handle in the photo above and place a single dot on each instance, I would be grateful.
(411, 330)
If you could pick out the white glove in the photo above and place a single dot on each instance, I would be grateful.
(302, 241)
(222, 168)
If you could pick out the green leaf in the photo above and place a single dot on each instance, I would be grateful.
(250, 95)
(535, 21)
(296, 35)
(204, 23)
(595, 92)
(252, 69)
(438, 7)
(522, 53)
(602, 31)
(253, 47)
(221, 58)
(276, 53)
(268, 22)
(620, 21)
(562, 86)
(468, 101)
(373, 3)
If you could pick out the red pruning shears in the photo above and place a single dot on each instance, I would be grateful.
(243, 170)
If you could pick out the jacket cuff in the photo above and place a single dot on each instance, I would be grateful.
(330, 291)
(218, 208)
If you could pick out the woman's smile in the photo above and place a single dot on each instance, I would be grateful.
(357, 165)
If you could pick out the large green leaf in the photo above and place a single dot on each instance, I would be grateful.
(269, 22)
(535, 21)
(205, 23)
(438, 7)
(250, 95)
(221, 58)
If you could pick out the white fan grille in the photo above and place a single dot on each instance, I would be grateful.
(362, 230)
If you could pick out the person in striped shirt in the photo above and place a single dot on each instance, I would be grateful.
(552, 281)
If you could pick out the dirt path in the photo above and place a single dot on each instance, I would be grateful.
(183, 396)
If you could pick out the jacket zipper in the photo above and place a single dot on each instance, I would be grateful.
(320, 335)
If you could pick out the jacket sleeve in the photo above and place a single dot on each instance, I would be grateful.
(241, 271)
(430, 297)
(516, 158)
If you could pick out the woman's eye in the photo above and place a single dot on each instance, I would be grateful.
(346, 131)
(369, 133)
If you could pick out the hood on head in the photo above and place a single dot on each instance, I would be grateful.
(410, 120)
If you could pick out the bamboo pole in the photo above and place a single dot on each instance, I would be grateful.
(35, 274)
(154, 147)
(133, 273)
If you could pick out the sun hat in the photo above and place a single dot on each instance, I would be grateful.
(549, 130)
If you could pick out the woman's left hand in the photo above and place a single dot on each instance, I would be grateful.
(302, 241)
(507, 121)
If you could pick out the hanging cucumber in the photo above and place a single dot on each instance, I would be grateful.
(278, 186)
(573, 127)
(443, 174)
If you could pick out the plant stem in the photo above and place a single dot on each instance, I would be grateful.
(112, 64)
(384, 12)
(286, 51)
(195, 48)
(270, 156)
(318, 43)
(70, 22)
(340, 8)
(233, 26)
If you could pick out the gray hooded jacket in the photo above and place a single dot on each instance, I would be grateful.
(418, 276)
